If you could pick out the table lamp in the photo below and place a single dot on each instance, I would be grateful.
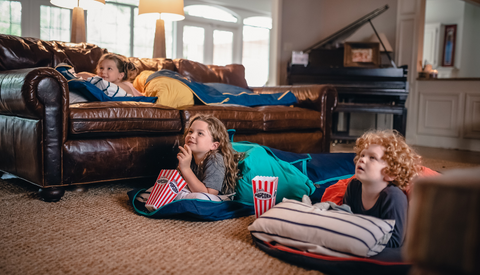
(78, 19)
(171, 10)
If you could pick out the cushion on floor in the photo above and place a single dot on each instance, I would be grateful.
(202, 210)
(389, 261)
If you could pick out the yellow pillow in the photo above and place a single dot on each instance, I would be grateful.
(170, 92)
(139, 82)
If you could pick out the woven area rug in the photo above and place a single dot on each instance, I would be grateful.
(97, 232)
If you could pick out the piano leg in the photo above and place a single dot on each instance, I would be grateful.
(400, 122)
(341, 127)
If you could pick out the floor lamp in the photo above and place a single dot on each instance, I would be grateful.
(78, 19)
(171, 10)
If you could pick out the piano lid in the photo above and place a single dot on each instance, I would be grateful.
(333, 40)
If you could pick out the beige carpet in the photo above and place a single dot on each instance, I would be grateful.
(97, 232)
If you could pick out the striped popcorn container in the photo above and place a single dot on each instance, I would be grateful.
(169, 183)
(264, 193)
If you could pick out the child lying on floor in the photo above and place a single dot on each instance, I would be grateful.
(207, 161)
(384, 165)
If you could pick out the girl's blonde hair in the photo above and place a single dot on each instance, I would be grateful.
(123, 65)
(403, 163)
(230, 157)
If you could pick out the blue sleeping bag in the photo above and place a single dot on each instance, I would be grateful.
(92, 92)
(221, 93)
(298, 174)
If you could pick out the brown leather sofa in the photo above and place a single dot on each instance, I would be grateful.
(52, 144)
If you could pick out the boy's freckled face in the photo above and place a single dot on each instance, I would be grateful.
(370, 164)
(199, 138)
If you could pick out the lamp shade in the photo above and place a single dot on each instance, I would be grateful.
(374, 38)
(84, 4)
(171, 10)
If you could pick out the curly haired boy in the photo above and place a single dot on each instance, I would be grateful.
(384, 165)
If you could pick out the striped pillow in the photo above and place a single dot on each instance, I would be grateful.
(333, 232)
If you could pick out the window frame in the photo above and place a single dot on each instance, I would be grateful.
(30, 27)
(209, 26)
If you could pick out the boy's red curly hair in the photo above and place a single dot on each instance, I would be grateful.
(403, 163)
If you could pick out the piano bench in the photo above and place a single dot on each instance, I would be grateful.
(399, 116)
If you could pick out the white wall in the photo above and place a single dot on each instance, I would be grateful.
(469, 53)
(441, 113)
(467, 18)
(447, 11)
(306, 22)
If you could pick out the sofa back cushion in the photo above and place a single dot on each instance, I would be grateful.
(26, 52)
(150, 64)
(233, 74)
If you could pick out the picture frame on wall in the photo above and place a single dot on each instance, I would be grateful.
(449, 41)
(361, 54)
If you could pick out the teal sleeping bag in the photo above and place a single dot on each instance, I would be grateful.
(292, 183)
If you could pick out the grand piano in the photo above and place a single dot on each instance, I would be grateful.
(378, 90)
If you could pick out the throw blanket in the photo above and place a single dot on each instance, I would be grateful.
(97, 89)
(108, 88)
(220, 93)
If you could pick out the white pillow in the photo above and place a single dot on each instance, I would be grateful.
(333, 232)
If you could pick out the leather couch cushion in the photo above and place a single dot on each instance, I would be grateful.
(233, 74)
(195, 71)
(284, 118)
(151, 64)
(26, 52)
(257, 119)
(122, 117)
(297, 142)
(240, 118)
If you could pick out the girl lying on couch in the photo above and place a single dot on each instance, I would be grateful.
(113, 68)
(109, 85)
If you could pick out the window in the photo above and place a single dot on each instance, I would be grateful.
(193, 43)
(256, 44)
(210, 12)
(11, 17)
(54, 23)
(124, 31)
(222, 47)
(208, 35)
(112, 31)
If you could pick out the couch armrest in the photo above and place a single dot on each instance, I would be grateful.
(33, 123)
(322, 98)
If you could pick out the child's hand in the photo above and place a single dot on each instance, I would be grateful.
(184, 157)
(84, 75)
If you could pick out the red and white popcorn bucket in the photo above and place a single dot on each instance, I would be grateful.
(169, 183)
(264, 193)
